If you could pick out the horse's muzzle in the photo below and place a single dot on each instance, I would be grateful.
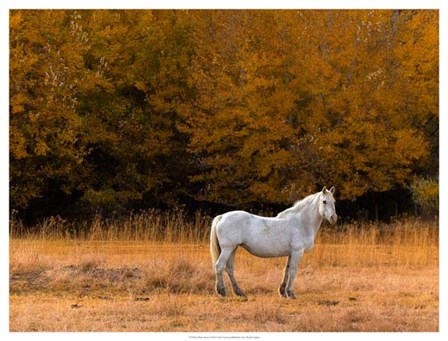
(334, 218)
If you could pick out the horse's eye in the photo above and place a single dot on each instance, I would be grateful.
(325, 202)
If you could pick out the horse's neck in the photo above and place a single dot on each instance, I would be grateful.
(310, 221)
(299, 207)
(307, 212)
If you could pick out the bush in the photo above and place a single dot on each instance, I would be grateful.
(425, 193)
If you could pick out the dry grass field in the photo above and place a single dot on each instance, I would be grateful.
(120, 277)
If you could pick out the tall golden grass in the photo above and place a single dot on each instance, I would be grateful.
(151, 225)
(410, 241)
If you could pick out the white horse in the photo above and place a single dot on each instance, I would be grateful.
(290, 233)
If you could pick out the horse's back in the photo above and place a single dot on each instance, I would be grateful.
(234, 219)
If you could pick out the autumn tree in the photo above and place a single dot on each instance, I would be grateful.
(81, 116)
(240, 88)
(289, 100)
(45, 128)
(369, 139)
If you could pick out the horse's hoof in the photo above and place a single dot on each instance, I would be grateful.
(283, 294)
(240, 294)
(282, 291)
(221, 292)
(292, 295)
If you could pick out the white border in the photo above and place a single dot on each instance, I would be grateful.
(230, 4)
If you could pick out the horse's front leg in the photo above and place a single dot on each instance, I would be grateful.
(282, 289)
(294, 260)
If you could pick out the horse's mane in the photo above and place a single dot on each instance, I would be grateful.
(298, 205)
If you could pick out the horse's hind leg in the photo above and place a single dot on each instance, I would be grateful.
(229, 268)
(219, 267)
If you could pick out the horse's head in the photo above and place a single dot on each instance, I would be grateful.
(326, 205)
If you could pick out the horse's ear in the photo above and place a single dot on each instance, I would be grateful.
(324, 189)
(332, 190)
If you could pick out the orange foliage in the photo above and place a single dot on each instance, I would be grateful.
(232, 107)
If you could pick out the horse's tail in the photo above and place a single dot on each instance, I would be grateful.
(215, 249)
